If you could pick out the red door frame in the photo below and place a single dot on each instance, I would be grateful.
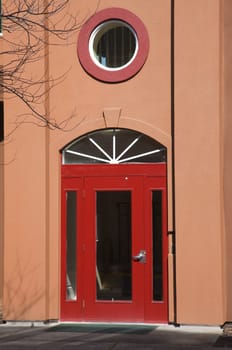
(154, 177)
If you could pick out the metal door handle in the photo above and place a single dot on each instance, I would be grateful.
(141, 257)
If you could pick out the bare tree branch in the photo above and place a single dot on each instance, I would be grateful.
(35, 24)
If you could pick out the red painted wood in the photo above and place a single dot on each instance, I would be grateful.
(77, 170)
(71, 309)
(141, 180)
(156, 310)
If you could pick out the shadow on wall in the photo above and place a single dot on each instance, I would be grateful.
(24, 297)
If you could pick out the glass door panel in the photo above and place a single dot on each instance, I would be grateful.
(157, 238)
(71, 237)
(71, 250)
(114, 233)
(113, 246)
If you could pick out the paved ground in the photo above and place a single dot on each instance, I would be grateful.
(108, 337)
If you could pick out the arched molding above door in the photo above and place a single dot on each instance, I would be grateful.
(116, 119)
(148, 129)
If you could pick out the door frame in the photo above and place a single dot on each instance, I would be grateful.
(73, 173)
(146, 169)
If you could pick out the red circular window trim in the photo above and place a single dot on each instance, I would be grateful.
(83, 45)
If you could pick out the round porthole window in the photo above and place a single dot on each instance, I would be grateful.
(113, 45)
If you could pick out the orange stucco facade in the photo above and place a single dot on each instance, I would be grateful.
(182, 98)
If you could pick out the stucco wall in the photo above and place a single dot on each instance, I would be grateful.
(1, 224)
(25, 225)
(25, 205)
(32, 187)
(142, 103)
(227, 150)
(198, 162)
(32, 177)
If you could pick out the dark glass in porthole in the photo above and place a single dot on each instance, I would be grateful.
(114, 44)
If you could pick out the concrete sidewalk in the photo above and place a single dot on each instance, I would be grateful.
(111, 336)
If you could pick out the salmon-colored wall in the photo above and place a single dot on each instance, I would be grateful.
(142, 103)
(32, 177)
(198, 178)
(24, 225)
(25, 207)
(1, 225)
(227, 150)
(1, 210)
(32, 222)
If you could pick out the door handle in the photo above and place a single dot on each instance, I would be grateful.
(141, 257)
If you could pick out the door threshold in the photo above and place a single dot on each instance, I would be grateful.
(113, 323)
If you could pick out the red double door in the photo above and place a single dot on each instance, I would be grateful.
(114, 243)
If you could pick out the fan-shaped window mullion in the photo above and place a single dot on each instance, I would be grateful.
(114, 146)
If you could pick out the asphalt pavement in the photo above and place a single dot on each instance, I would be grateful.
(108, 336)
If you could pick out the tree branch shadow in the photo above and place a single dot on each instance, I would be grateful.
(22, 294)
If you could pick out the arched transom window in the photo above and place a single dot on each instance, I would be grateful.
(114, 146)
